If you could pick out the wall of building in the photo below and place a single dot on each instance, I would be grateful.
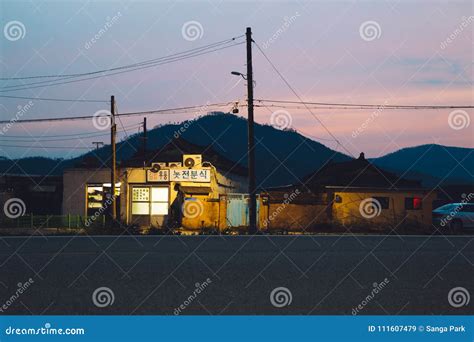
(294, 217)
(74, 188)
(348, 212)
(210, 208)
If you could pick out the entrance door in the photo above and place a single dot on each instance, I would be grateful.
(237, 213)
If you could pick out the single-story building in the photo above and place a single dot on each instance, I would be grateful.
(34, 194)
(178, 185)
(355, 193)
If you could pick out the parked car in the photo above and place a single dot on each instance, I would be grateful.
(454, 216)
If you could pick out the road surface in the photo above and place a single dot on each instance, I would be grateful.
(317, 275)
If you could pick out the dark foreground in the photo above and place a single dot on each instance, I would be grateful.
(158, 274)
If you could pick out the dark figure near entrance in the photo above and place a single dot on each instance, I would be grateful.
(177, 208)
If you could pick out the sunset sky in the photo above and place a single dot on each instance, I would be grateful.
(319, 46)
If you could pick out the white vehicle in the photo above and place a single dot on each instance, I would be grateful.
(454, 216)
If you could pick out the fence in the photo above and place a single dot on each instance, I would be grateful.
(52, 221)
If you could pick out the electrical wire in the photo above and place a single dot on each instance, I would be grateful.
(325, 105)
(169, 111)
(49, 147)
(67, 138)
(52, 99)
(296, 94)
(62, 135)
(42, 84)
(225, 41)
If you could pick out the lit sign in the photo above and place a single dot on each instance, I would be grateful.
(202, 175)
(160, 176)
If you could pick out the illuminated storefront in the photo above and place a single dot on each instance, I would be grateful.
(155, 195)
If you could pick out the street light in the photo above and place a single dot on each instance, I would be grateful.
(236, 73)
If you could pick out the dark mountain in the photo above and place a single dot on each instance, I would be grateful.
(282, 157)
(33, 166)
(431, 163)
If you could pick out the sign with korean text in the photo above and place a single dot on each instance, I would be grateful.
(202, 175)
(160, 176)
(141, 194)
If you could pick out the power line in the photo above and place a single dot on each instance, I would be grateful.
(225, 41)
(168, 111)
(42, 84)
(296, 94)
(66, 138)
(49, 147)
(325, 105)
(51, 99)
(63, 135)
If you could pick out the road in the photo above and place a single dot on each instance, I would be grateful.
(236, 275)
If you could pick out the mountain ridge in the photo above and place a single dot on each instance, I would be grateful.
(282, 156)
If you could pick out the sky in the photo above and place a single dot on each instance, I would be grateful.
(376, 52)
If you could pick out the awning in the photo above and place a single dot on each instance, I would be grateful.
(196, 190)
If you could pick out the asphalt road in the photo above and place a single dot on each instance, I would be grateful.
(158, 274)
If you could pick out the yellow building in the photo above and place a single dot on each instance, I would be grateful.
(180, 185)
(352, 195)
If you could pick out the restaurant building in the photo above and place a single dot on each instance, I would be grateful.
(179, 185)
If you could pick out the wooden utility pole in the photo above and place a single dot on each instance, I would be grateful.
(113, 176)
(251, 139)
(144, 140)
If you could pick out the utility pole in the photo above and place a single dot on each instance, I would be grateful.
(97, 144)
(113, 176)
(251, 138)
(144, 140)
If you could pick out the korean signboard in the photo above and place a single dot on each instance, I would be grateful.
(160, 176)
(202, 175)
(190, 175)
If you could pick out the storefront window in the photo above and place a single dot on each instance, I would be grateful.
(150, 200)
(159, 204)
(97, 196)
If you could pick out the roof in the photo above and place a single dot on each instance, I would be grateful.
(356, 173)
(174, 150)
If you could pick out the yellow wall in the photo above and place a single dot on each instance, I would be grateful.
(347, 212)
(298, 217)
(307, 217)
